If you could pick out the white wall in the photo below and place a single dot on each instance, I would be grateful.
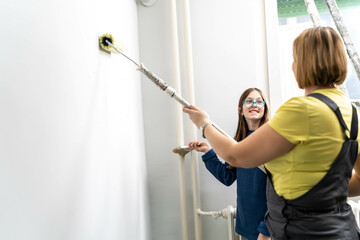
(71, 132)
(229, 56)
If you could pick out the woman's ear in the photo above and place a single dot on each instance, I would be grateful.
(239, 111)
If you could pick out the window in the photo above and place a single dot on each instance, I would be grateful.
(293, 19)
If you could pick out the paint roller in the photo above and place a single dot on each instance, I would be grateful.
(107, 43)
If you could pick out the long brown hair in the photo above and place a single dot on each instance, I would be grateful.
(242, 127)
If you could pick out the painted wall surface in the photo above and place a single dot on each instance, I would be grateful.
(229, 56)
(71, 129)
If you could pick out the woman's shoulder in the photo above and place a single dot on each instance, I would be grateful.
(297, 100)
(308, 102)
(291, 120)
(297, 104)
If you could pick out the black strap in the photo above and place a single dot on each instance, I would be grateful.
(332, 105)
(354, 124)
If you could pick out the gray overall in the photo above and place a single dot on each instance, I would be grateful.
(322, 212)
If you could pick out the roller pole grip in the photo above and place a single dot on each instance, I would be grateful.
(161, 84)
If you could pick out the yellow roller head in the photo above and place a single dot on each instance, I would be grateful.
(103, 44)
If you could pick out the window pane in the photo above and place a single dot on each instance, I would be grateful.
(290, 28)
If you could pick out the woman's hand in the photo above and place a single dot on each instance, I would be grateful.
(197, 116)
(199, 146)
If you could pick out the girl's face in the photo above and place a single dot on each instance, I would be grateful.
(254, 112)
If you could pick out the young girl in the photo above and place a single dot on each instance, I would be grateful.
(251, 183)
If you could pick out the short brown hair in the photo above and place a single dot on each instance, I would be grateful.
(319, 58)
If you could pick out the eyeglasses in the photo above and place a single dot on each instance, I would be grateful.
(250, 103)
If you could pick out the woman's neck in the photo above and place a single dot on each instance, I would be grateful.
(311, 89)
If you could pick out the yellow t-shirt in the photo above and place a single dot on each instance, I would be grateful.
(314, 128)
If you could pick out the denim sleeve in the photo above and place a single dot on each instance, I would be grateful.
(218, 169)
(262, 228)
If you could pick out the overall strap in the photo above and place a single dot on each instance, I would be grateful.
(354, 124)
(332, 105)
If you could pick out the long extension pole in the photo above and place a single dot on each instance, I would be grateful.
(161, 84)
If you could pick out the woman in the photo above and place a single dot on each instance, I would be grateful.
(251, 183)
(309, 147)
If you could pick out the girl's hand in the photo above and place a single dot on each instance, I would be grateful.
(197, 116)
(199, 146)
(263, 237)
